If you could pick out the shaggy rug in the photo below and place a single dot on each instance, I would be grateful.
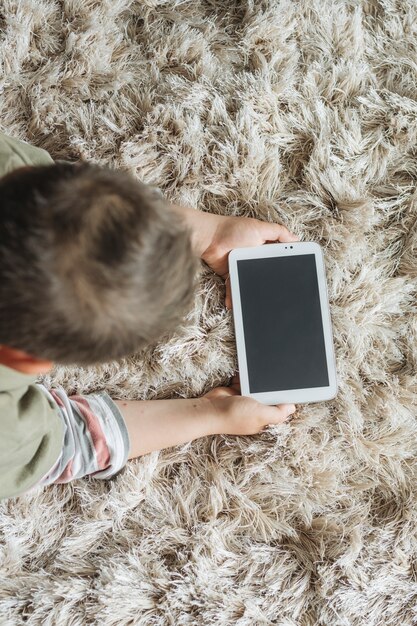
(300, 112)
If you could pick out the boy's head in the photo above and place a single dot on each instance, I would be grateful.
(93, 264)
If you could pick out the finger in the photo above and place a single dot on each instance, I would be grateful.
(277, 232)
(280, 413)
(235, 384)
(228, 298)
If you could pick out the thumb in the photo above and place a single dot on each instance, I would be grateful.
(277, 232)
(280, 413)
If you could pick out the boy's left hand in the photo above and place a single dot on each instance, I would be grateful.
(240, 232)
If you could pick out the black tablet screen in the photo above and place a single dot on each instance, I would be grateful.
(282, 323)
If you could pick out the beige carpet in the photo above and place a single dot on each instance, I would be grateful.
(303, 113)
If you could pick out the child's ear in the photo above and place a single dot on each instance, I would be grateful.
(23, 362)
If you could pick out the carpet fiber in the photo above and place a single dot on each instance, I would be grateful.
(300, 112)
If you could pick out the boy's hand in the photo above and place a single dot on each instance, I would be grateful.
(234, 414)
(214, 236)
(158, 424)
(240, 232)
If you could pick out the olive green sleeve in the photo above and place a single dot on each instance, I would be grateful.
(31, 433)
(15, 153)
(31, 430)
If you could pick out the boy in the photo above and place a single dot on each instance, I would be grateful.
(95, 265)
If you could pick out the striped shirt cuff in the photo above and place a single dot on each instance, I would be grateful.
(96, 440)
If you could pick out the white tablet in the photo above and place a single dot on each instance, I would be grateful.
(282, 323)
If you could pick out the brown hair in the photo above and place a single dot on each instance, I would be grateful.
(93, 264)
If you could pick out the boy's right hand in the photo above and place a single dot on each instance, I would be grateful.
(234, 414)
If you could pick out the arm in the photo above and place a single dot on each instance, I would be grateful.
(93, 432)
(214, 236)
(158, 424)
(203, 226)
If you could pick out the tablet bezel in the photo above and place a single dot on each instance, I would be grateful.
(296, 396)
